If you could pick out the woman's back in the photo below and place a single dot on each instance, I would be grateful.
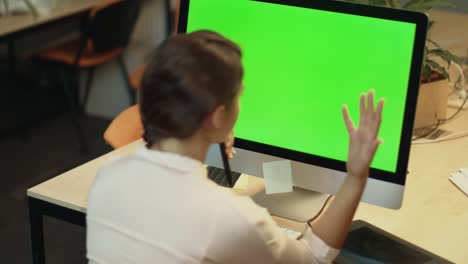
(156, 207)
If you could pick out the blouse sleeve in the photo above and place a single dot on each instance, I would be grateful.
(250, 235)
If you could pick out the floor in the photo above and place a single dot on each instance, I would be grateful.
(51, 148)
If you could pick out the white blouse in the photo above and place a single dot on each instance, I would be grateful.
(157, 207)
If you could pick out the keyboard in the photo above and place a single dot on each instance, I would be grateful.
(219, 176)
(291, 233)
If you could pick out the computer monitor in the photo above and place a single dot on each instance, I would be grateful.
(303, 60)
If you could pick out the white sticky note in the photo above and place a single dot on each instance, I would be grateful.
(277, 176)
(464, 171)
(461, 181)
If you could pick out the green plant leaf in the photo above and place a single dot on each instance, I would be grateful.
(372, 2)
(430, 24)
(411, 2)
(425, 5)
(445, 55)
(395, 3)
(365, 2)
(437, 67)
(414, 5)
(433, 42)
(426, 71)
(378, 2)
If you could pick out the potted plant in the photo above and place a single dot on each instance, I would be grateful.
(434, 89)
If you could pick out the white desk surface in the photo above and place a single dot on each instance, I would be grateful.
(63, 8)
(434, 214)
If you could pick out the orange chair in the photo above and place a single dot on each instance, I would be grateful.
(137, 75)
(105, 34)
(125, 128)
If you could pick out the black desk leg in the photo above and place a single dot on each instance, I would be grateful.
(11, 58)
(37, 210)
(37, 231)
(169, 18)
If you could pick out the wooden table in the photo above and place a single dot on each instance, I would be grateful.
(434, 214)
(14, 24)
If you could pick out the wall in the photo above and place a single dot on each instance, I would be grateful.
(450, 30)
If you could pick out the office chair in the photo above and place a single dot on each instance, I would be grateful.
(136, 77)
(127, 127)
(104, 36)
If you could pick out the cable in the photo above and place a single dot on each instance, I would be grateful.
(320, 211)
(461, 80)
(430, 132)
(458, 111)
(446, 138)
(443, 121)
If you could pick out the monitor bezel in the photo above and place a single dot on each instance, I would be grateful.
(421, 22)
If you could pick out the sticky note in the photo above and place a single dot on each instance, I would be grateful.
(277, 176)
(464, 171)
(460, 180)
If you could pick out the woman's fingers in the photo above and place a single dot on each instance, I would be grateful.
(230, 152)
(378, 115)
(229, 145)
(349, 123)
(362, 104)
(370, 101)
(370, 115)
(229, 142)
(376, 145)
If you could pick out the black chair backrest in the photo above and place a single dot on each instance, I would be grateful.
(112, 26)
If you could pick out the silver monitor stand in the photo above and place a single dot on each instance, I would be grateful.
(299, 205)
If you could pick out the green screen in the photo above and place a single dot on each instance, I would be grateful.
(302, 65)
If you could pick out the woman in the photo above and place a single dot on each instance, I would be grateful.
(158, 206)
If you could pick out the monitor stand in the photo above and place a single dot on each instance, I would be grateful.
(299, 205)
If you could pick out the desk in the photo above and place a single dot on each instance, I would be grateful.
(434, 214)
(11, 25)
(14, 24)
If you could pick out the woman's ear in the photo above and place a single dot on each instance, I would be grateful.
(215, 120)
(218, 117)
(214, 123)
